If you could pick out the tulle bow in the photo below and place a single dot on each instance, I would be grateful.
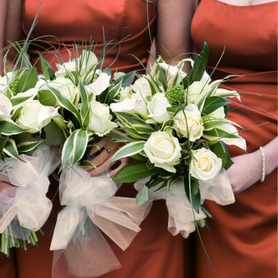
(181, 218)
(86, 252)
(27, 201)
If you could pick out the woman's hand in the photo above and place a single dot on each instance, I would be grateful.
(101, 161)
(247, 168)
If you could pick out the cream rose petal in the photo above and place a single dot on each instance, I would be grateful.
(99, 85)
(5, 106)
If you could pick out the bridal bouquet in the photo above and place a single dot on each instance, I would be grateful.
(25, 161)
(83, 92)
(174, 123)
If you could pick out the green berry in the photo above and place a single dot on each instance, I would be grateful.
(175, 95)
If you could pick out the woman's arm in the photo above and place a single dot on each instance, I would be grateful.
(247, 168)
(10, 28)
(173, 28)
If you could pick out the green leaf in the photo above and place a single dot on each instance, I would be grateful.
(11, 150)
(213, 103)
(119, 136)
(132, 120)
(8, 127)
(134, 134)
(163, 186)
(85, 109)
(195, 193)
(112, 93)
(142, 196)
(66, 104)
(47, 98)
(54, 135)
(133, 172)
(28, 80)
(47, 70)
(127, 79)
(67, 151)
(3, 141)
(80, 144)
(200, 64)
(129, 150)
(19, 100)
(88, 163)
(28, 147)
(211, 123)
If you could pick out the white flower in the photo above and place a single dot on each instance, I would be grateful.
(34, 116)
(100, 120)
(141, 88)
(65, 87)
(163, 150)
(158, 109)
(218, 113)
(5, 107)
(195, 89)
(173, 71)
(88, 59)
(99, 85)
(205, 165)
(239, 142)
(6, 79)
(135, 101)
(118, 75)
(66, 67)
(194, 122)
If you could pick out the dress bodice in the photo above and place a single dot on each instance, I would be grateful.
(99, 21)
(249, 34)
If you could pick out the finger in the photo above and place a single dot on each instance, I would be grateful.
(101, 168)
(100, 145)
(124, 161)
(106, 154)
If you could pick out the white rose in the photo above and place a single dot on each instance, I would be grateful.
(194, 122)
(99, 85)
(195, 89)
(5, 80)
(65, 87)
(34, 116)
(118, 75)
(66, 67)
(158, 109)
(100, 120)
(5, 107)
(141, 88)
(163, 150)
(205, 165)
(218, 113)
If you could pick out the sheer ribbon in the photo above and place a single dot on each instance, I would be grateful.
(90, 206)
(181, 219)
(26, 203)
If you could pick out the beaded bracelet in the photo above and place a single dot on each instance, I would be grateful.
(263, 164)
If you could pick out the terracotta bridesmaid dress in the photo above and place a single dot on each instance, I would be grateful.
(243, 237)
(154, 252)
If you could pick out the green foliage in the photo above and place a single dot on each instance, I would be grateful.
(133, 172)
(175, 95)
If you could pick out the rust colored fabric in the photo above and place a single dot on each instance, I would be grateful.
(99, 21)
(243, 237)
(154, 252)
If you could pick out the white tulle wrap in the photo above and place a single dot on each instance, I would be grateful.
(26, 202)
(181, 219)
(119, 218)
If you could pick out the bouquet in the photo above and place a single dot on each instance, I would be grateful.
(83, 92)
(174, 123)
(25, 161)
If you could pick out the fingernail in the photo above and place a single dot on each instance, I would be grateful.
(110, 175)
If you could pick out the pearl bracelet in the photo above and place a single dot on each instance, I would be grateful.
(263, 164)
